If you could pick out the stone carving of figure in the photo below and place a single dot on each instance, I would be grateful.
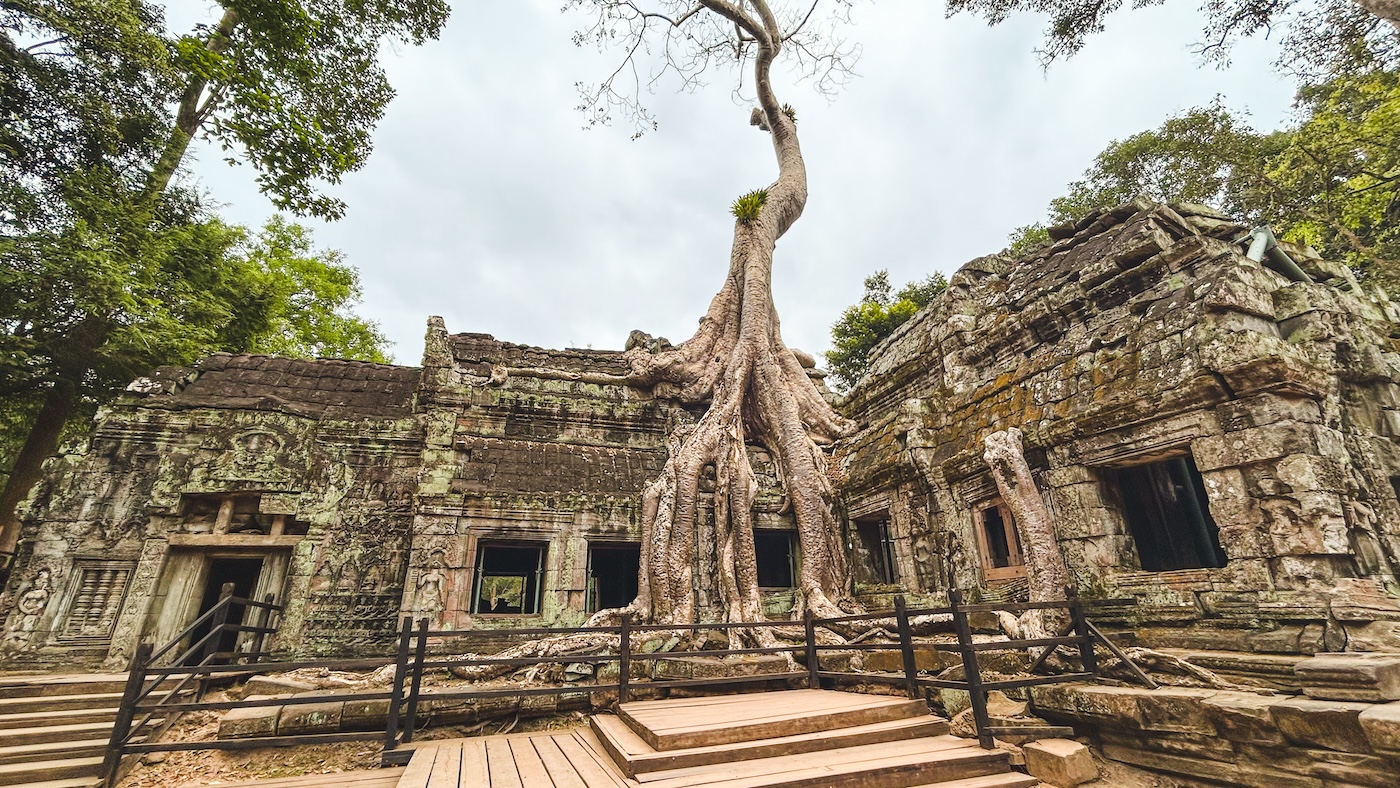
(430, 587)
(19, 630)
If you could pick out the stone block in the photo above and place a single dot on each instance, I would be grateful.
(247, 723)
(1329, 724)
(310, 718)
(275, 685)
(1243, 717)
(1118, 705)
(1060, 762)
(1369, 677)
(1177, 709)
(364, 715)
(1381, 724)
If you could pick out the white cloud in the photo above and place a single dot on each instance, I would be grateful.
(485, 202)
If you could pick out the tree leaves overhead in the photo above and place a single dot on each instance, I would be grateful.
(879, 313)
(1330, 180)
(300, 88)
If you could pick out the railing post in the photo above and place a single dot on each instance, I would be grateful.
(971, 672)
(1081, 631)
(126, 712)
(906, 647)
(391, 730)
(624, 658)
(216, 636)
(416, 683)
(809, 621)
(264, 622)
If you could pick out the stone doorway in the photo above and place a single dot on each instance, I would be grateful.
(192, 579)
(243, 573)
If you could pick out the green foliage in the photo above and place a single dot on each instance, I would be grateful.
(1323, 39)
(880, 311)
(1330, 180)
(790, 112)
(747, 207)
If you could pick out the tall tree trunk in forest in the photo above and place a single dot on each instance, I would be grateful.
(193, 110)
(73, 359)
(59, 404)
(758, 394)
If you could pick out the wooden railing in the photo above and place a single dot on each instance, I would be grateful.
(412, 659)
(161, 696)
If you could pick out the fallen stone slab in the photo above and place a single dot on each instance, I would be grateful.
(1381, 724)
(246, 723)
(1329, 724)
(273, 685)
(1368, 677)
(1060, 762)
(311, 717)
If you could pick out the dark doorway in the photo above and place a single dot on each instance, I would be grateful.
(874, 551)
(508, 579)
(774, 551)
(1165, 506)
(612, 575)
(243, 574)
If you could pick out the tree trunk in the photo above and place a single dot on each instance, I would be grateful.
(1045, 564)
(41, 443)
(190, 114)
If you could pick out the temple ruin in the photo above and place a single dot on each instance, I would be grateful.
(1214, 438)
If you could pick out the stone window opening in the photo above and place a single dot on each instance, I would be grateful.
(508, 579)
(612, 575)
(1164, 505)
(776, 554)
(875, 550)
(998, 542)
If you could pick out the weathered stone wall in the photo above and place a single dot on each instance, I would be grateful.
(1143, 333)
(110, 555)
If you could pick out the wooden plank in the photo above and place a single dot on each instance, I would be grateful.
(850, 757)
(593, 773)
(528, 764)
(474, 770)
(419, 769)
(561, 772)
(374, 778)
(875, 766)
(447, 768)
(895, 730)
(501, 764)
(659, 720)
(780, 725)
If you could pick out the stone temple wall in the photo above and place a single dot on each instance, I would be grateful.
(1143, 347)
(319, 457)
(1215, 439)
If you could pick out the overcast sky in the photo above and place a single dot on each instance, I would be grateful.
(487, 203)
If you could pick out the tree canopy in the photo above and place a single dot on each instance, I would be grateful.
(880, 311)
(109, 266)
(1330, 180)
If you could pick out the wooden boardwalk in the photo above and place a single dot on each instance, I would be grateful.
(786, 739)
(378, 778)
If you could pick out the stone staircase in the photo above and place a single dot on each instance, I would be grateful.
(54, 729)
(796, 738)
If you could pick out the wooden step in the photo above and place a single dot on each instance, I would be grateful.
(78, 748)
(74, 782)
(34, 719)
(69, 684)
(898, 764)
(57, 769)
(54, 733)
(1008, 780)
(39, 703)
(685, 723)
(634, 756)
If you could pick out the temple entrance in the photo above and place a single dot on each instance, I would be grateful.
(243, 573)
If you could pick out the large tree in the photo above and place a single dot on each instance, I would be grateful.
(1330, 179)
(100, 104)
(757, 391)
(881, 310)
